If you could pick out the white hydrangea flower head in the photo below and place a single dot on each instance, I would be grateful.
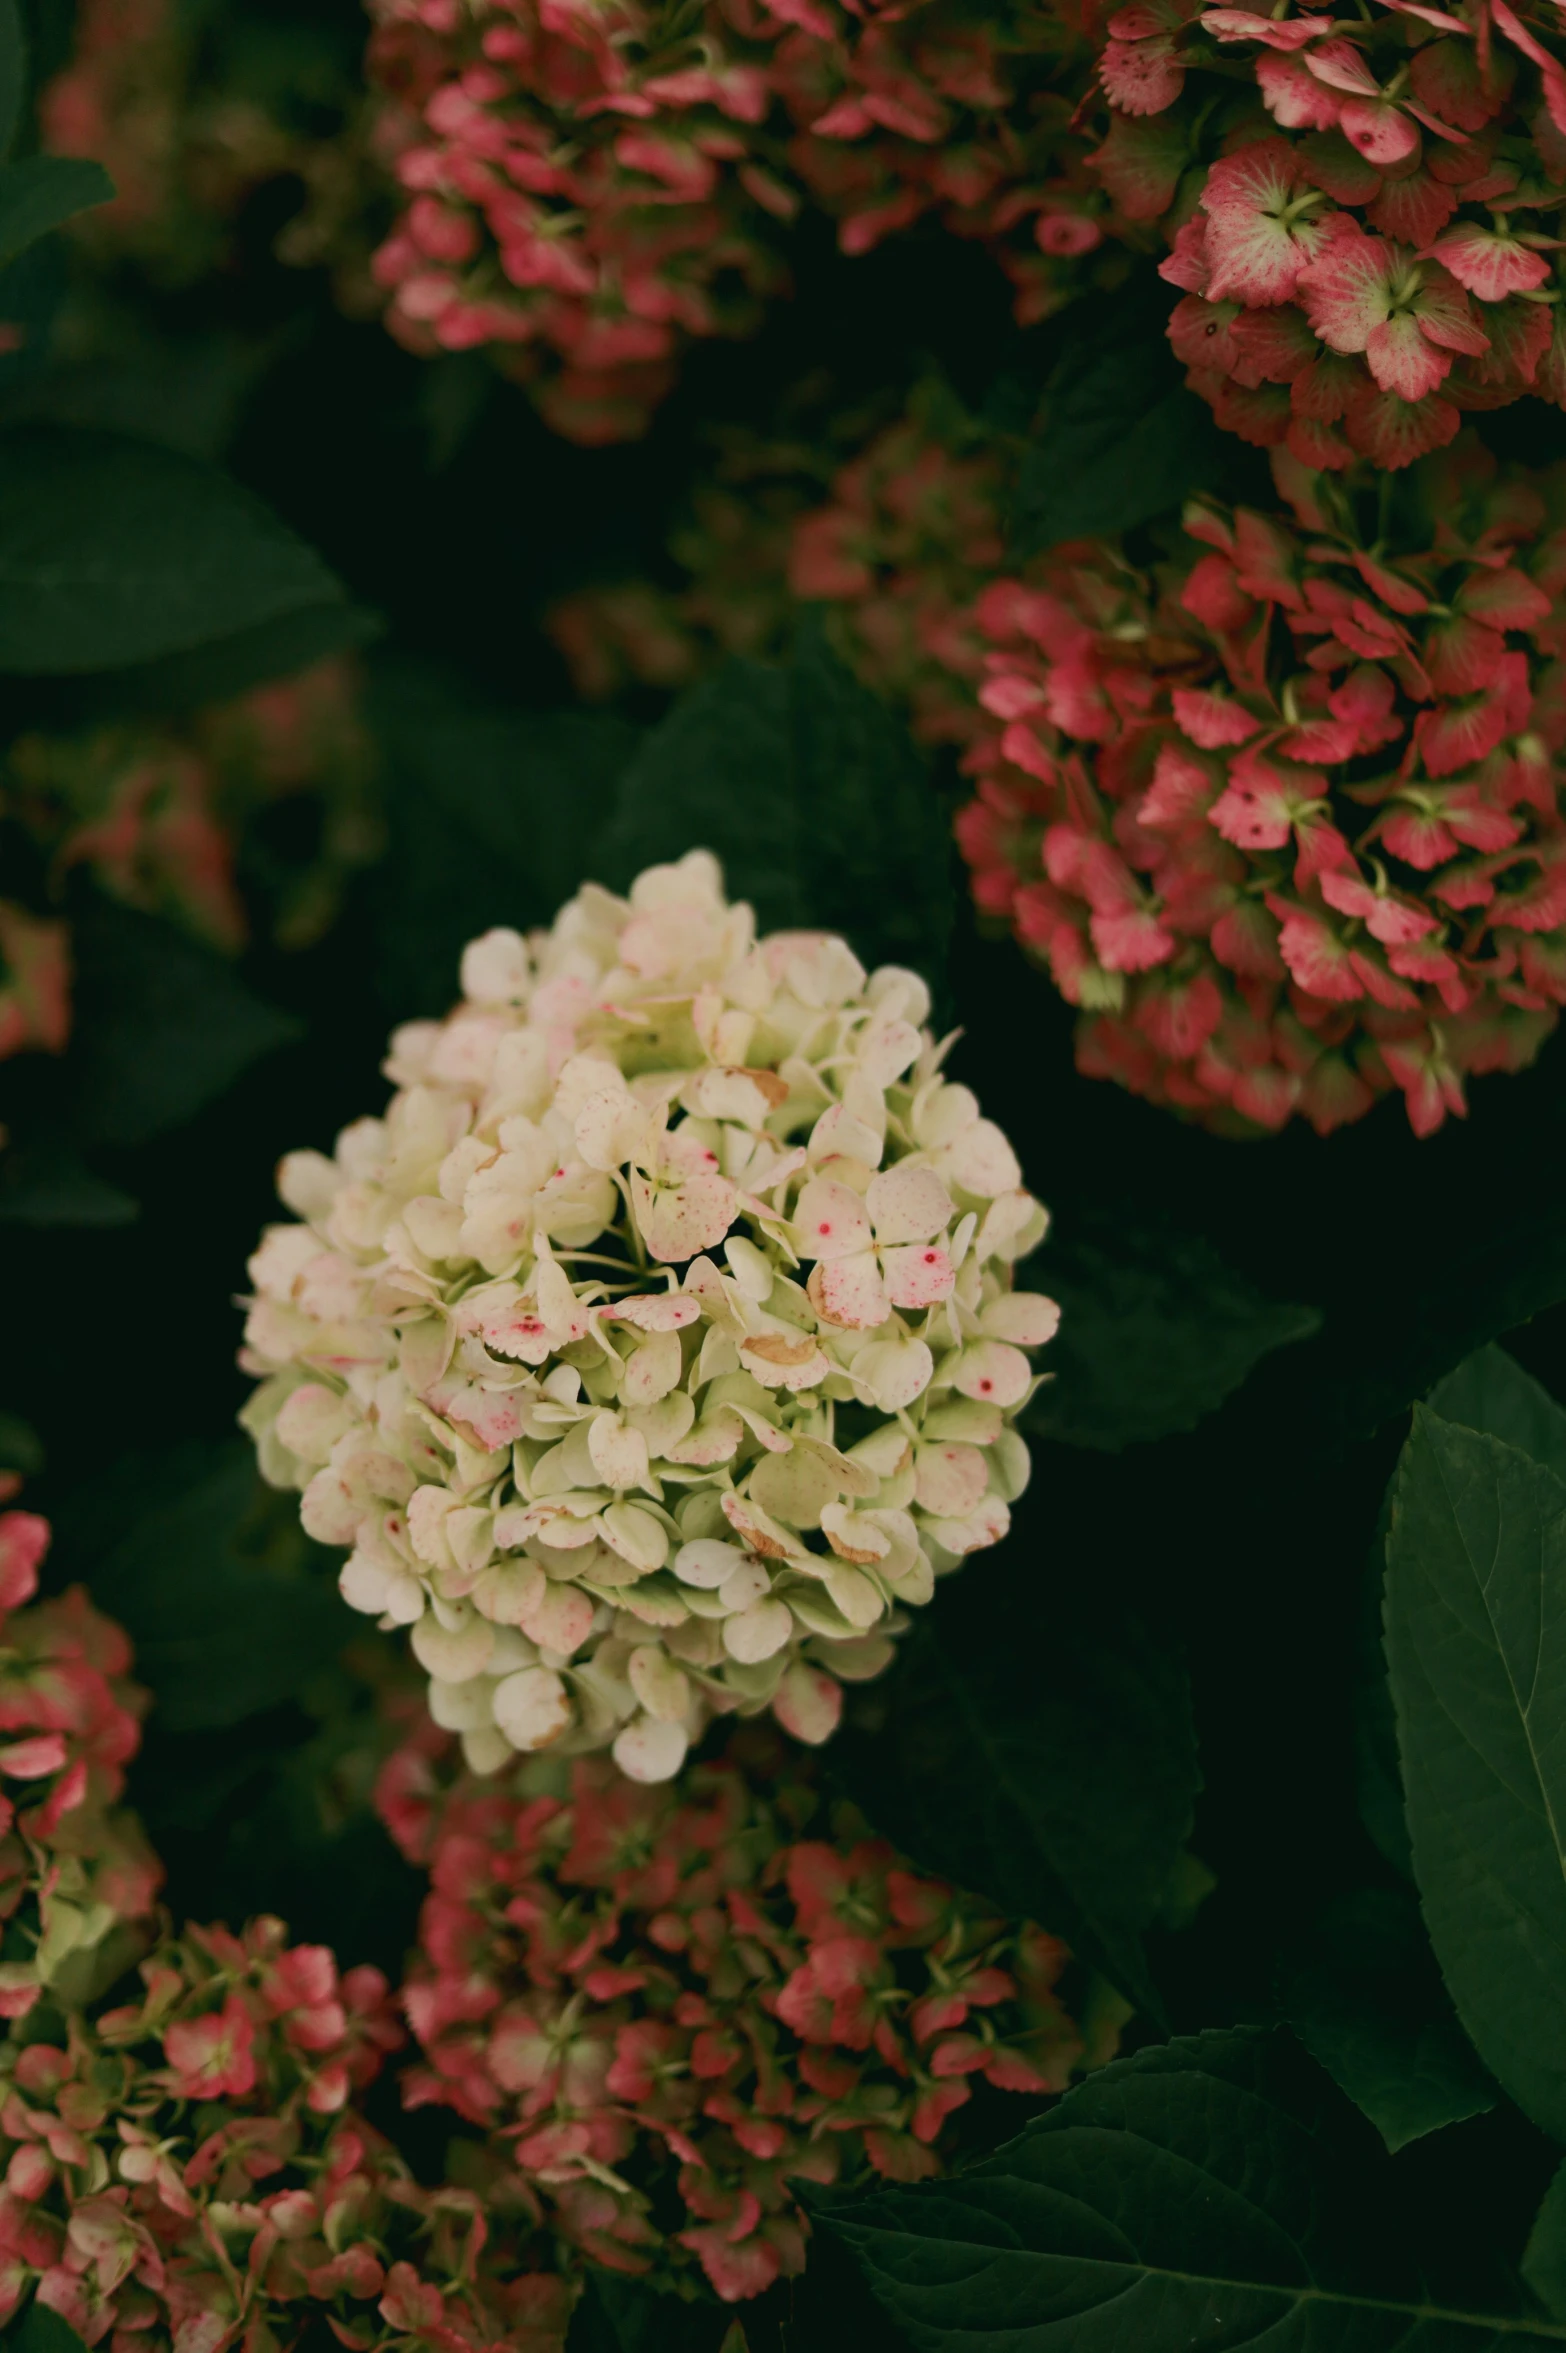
(656, 1349)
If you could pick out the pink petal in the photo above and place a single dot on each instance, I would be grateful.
(1490, 266)
(1402, 361)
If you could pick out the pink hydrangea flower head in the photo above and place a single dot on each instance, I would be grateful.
(1375, 248)
(557, 1346)
(1282, 814)
(173, 2173)
(666, 1999)
(154, 811)
(76, 1876)
(582, 193)
(35, 982)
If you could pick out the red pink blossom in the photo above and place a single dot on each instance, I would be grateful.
(583, 190)
(74, 1866)
(1374, 240)
(186, 2165)
(686, 1998)
(1281, 813)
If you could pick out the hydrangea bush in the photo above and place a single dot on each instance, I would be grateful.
(686, 2000)
(658, 1347)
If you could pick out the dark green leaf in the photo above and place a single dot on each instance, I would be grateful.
(13, 73)
(115, 551)
(1211, 2193)
(622, 2315)
(872, 841)
(1544, 2261)
(494, 818)
(161, 1027)
(40, 194)
(811, 794)
(717, 774)
(1378, 1776)
(1121, 439)
(40, 2330)
(230, 666)
(1476, 1648)
(1045, 1760)
(1364, 1995)
(1156, 1331)
(1107, 462)
(1490, 1391)
(44, 1181)
(228, 1605)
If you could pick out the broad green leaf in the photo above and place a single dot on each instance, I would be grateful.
(811, 794)
(41, 2330)
(1042, 1756)
(1476, 1649)
(1106, 462)
(1121, 439)
(1213, 2192)
(1490, 1391)
(625, 2315)
(41, 193)
(1377, 1774)
(717, 774)
(1364, 1995)
(227, 1603)
(162, 1026)
(495, 817)
(230, 666)
(114, 551)
(1544, 2259)
(1156, 1331)
(873, 841)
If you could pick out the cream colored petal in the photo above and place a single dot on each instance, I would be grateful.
(829, 1221)
(908, 1203)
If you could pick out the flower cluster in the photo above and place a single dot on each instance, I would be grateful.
(544, 1350)
(171, 817)
(1282, 815)
(895, 542)
(190, 119)
(35, 982)
(76, 1875)
(187, 2169)
(582, 188)
(674, 2002)
(1368, 211)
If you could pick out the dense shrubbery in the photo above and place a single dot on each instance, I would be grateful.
(880, 567)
